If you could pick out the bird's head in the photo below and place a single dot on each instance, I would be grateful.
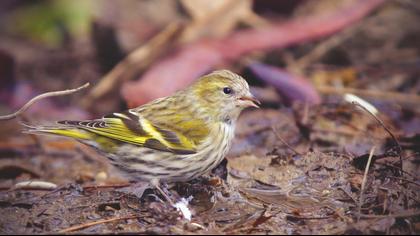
(223, 94)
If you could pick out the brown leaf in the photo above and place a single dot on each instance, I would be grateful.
(214, 18)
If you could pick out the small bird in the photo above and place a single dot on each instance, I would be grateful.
(171, 139)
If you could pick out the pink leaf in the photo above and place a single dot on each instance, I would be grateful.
(181, 68)
(291, 87)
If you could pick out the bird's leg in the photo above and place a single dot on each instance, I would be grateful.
(156, 184)
(136, 188)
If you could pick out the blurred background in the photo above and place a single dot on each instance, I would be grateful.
(53, 45)
(300, 57)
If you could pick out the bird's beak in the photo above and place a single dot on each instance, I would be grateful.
(250, 101)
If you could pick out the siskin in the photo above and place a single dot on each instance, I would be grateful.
(175, 138)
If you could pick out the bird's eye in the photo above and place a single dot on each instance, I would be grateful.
(227, 90)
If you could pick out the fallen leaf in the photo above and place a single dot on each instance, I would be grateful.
(188, 63)
(214, 18)
(291, 87)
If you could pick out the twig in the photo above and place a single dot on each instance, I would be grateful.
(106, 186)
(235, 45)
(322, 48)
(385, 95)
(364, 180)
(399, 215)
(50, 188)
(85, 225)
(332, 42)
(398, 168)
(311, 217)
(39, 97)
(133, 63)
(406, 180)
(348, 194)
(284, 142)
(387, 130)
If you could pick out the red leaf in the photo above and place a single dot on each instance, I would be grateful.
(180, 69)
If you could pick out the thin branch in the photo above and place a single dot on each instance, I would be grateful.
(284, 142)
(406, 180)
(106, 186)
(39, 97)
(399, 169)
(409, 98)
(364, 180)
(311, 217)
(86, 225)
(386, 129)
(135, 62)
(348, 194)
(330, 43)
(398, 215)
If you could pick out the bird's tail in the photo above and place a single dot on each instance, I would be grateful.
(57, 129)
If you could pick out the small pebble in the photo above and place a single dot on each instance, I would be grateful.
(101, 176)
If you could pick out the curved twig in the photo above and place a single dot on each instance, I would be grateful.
(103, 221)
(39, 97)
(386, 129)
(284, 141)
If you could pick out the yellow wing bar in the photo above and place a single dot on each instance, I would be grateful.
(130, 128)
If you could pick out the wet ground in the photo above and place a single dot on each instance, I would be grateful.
(313, 186)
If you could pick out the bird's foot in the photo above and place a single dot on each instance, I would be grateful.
(163, 190)
(137, 188)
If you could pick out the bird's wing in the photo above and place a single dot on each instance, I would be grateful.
(131, 127)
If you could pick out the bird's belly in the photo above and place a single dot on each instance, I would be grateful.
(145, 164)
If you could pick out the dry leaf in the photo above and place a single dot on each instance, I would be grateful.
(188, 63)
(214, 18)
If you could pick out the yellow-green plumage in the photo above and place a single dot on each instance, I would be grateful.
(175, 138)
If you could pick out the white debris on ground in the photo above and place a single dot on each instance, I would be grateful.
(34, 184)
(182, 206)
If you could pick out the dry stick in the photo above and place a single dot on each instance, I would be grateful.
(397, 168)
(364, 182)
(284, 142)
(406, 180)
(348, 194)
(39, 97)
(398, 215)
(330, 43)
(133, 63)
(325, 46)
(385, 95)
(84, 187)
(106, 186)
(312, 217)
(85, 225)
(387, 130)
